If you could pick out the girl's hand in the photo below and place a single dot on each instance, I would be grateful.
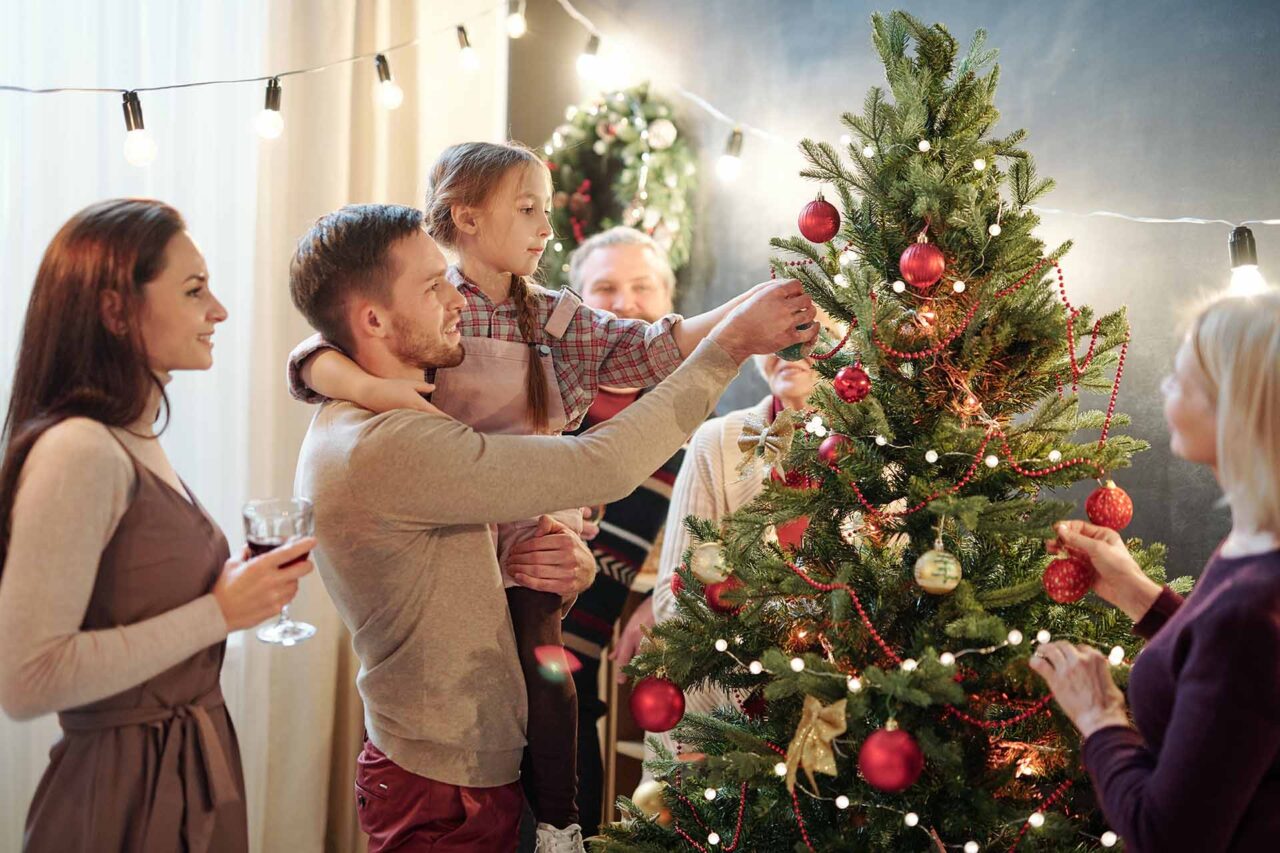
(1120, 580)
(386, 395)
(252, 591)
(1080, 678)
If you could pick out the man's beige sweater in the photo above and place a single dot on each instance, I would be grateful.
(403, 501)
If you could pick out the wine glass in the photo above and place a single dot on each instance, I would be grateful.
(268, 524)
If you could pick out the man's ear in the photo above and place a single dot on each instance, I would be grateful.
(465, 218)
(369, 321)
(111, 307)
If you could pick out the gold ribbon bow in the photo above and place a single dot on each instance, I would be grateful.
(811, 747)
(760, 439)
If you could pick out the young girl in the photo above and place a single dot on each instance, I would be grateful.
(534, 361)
(1199, 766)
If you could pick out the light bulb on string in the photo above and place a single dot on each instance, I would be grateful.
(139, 147)
(589, 59)
(269, 123)
(466, 53)
(517, 24)
(390, 95)
(1246, 280)
(729, 166)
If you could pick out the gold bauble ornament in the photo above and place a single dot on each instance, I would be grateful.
(938, 570)
(648, 798)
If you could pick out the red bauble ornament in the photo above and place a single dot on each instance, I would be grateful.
(921, 263)
(819, 221)
(890, 760)
(677, 584)
(715, 595)
(656, 704)
(791, 533)
(832, 447)
(852, 384)
(1110, 506)
(755, 706)
(1067, 579)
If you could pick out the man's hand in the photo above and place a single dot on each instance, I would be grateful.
(767, 320)
(554, 560)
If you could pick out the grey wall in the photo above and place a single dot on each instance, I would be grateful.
(1167, 108)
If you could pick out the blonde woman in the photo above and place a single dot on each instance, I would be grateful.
(1198, 769)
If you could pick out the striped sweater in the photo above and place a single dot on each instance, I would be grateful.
(628, 530)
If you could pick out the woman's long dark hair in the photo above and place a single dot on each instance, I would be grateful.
(69, 363)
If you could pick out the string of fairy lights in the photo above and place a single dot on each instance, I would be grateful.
(593, 65)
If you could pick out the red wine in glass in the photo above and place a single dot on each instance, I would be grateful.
(258, 547)
(269, 524)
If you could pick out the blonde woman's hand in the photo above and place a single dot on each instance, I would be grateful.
(1120, 580)
(250, 591)
(1080, 678)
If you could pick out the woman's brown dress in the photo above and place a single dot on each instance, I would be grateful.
(156, 768)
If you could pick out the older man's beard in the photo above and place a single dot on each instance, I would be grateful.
(412, 345)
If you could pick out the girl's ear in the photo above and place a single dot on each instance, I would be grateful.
(465, 218)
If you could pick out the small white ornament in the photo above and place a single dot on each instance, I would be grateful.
(600, 147)
(1036, 820)
(992, 461)
(722, 645)
(979, 164)
(1055, 455)
(707, 563)
(958, 286)
(842, 802)
(909, 665)
(780, 768)
(947, 659)
(931, 456)
(1109, 839)
(755, 667)
(911, 819)
(1117, 656)
(854, 684)
(899, 286)
(1015, 637)
(797, 665)
(971, 847)
(1043, 636)
(994, 231)
(881, 441)
(923, 145)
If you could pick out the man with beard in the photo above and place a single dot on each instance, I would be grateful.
(404, 501)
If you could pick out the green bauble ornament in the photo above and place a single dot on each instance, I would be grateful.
(938, 570)
(795, 352)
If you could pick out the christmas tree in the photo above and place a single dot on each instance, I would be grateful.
(879, 662)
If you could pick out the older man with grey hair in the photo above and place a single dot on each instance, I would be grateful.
(625, 271)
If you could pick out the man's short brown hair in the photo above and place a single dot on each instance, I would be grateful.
(345, 254)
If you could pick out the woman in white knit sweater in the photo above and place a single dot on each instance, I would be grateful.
(708, 486)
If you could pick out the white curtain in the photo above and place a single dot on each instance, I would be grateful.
(234, 433)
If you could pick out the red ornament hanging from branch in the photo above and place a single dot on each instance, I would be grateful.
(922, 263)
(890, 759)
(657, 704)
(819, 220)
(851, 383)
(1110, 506)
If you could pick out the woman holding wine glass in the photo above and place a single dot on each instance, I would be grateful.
(116, 593)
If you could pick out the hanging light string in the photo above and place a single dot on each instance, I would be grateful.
(738, 124)
(261, 78)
